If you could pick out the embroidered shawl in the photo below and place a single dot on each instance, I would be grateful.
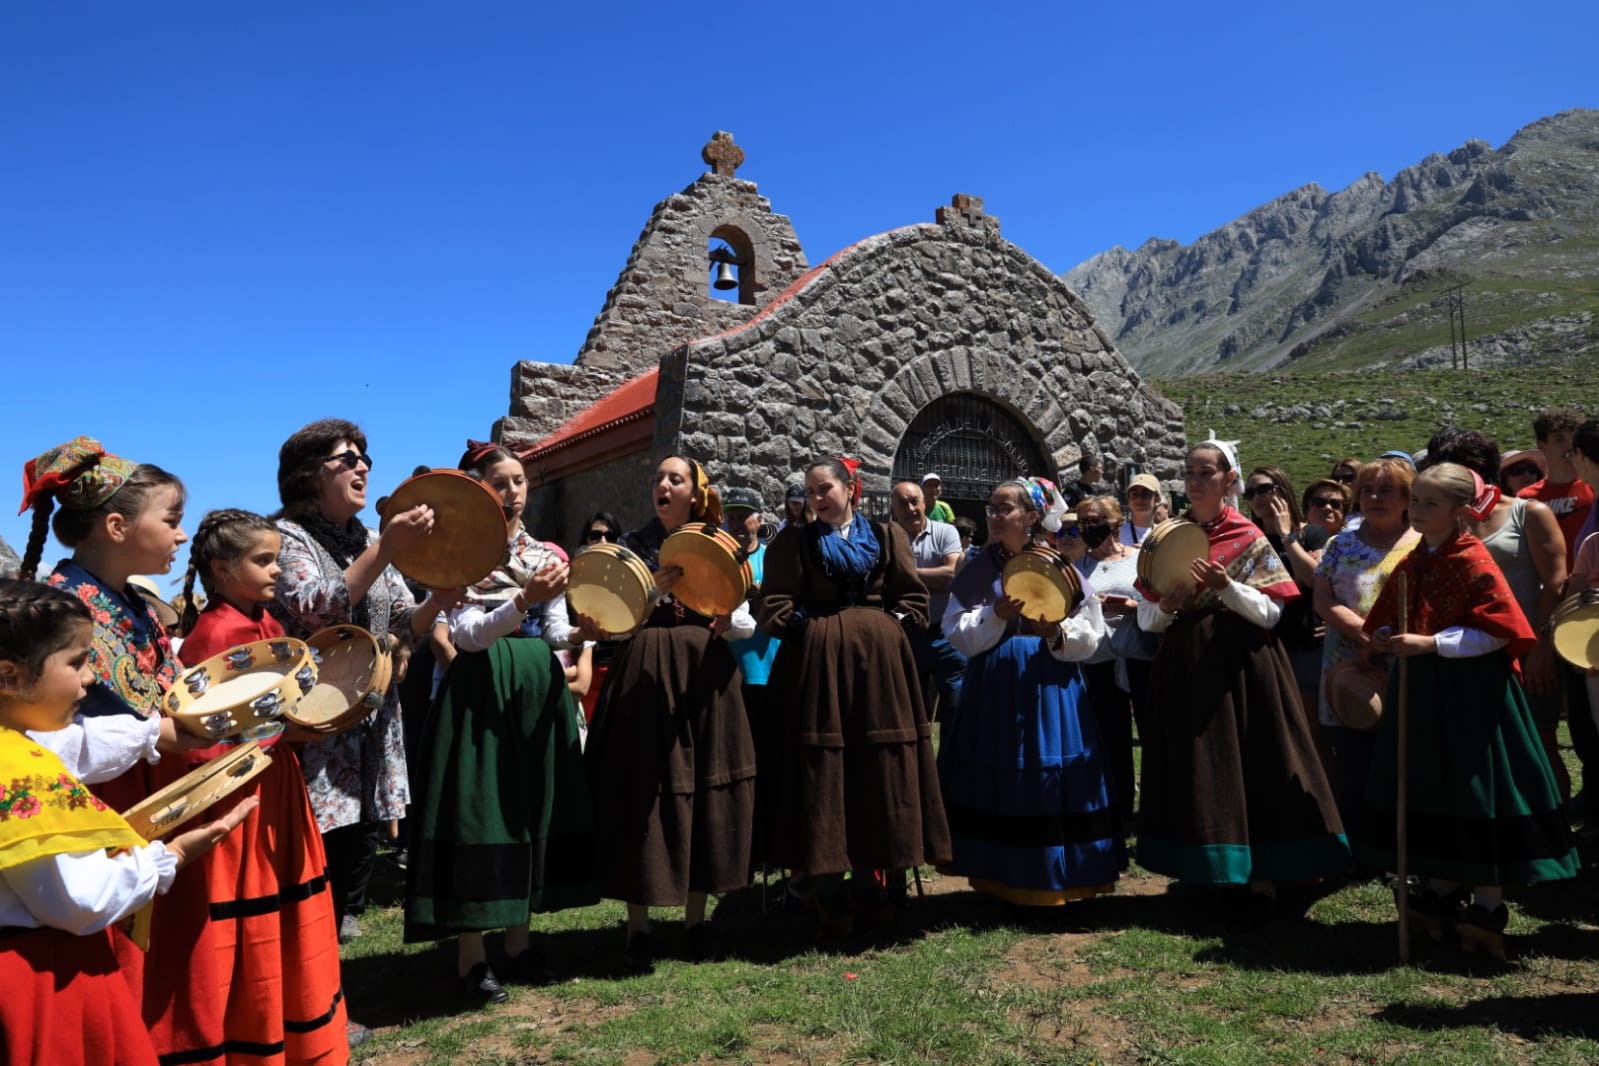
(131, 657)
(524, 557)
(1240, 546)
(1456, 584)
(46, 811)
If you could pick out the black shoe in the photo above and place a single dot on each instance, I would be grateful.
(703, 945)
(528, 968)
(1481, 929)
(481, 984)
(639, 955)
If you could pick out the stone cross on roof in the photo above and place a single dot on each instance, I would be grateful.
(721, 154)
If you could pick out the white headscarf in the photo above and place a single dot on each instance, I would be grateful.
(1229, 451)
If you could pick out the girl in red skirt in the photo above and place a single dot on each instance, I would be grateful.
(70, 866)
(273, 931)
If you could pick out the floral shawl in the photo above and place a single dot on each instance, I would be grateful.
(131, 657)
(524, 557)
(1240, 546)
(46, 811)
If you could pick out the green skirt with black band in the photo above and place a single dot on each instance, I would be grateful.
(501, 824)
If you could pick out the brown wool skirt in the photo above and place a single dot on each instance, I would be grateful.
(858, 786)
(672, 770)
(1232, 788)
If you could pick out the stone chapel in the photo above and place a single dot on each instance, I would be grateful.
(937, 347)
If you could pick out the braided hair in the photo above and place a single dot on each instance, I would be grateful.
(36, 621)
(224, 536)
(73, 525)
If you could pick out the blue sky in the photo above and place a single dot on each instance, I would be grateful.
(219, 221)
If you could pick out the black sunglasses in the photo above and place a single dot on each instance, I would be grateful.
(349, 458)
(1524, 470)
(596, 535)
(1343, 479)
(1251, 491)
(1327, 501)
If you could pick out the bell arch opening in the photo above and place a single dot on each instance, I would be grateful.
(972, 442)
(730, 255)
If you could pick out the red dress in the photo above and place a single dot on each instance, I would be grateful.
(268, 908)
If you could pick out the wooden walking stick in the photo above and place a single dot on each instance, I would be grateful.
(1402, 827)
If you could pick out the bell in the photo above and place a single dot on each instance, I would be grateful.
(725, 278)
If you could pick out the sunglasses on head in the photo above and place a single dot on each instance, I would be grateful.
(1251, 491)
(1336, 503)
(593, 536)
(349, 458)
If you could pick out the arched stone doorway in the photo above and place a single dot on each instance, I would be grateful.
(972, 443)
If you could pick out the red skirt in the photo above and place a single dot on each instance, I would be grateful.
(65, 1003)
(243, 966)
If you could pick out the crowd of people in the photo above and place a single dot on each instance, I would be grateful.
(529, 760)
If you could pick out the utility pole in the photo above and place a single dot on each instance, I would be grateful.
(1456, 297)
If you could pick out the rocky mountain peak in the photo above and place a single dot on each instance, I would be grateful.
(1310, 272)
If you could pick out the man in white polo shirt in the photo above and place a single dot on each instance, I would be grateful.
(937, 547)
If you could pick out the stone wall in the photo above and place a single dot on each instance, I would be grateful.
(544, 395)
(843, 364)
(557, 511)
(662, 298)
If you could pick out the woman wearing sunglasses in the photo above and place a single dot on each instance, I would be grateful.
(601, 528)
(335, 569)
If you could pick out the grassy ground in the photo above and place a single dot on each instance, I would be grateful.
(1149, 975)
(1370, 412)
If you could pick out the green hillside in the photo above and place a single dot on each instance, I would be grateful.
(1307, 421)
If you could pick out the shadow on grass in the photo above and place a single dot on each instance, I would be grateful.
(1529, 1017)
(393, 988)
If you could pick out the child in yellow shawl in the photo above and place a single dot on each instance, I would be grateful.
(70, 867)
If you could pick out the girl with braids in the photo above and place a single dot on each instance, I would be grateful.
(271, 914)
(858, 789)
(333, 570)
(671, 763)
(70, 866)
(501, 820)
(1026, 781)
(1484, 809)
(1233, 791)
(120, 519)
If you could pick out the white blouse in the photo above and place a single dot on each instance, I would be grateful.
(84, 892)
(974, 631)
(103, 747)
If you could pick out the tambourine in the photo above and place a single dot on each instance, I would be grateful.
(244, 691)
(613, 586)
(1355, 691)
(1576, 629)
(716, 568)
(1045, 581)
(353, 673)
(1168, 554)
(469, 530)
(165, 810)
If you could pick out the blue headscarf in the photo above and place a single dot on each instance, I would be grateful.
(852, 558)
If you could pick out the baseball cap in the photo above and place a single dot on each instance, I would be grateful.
(741, 498)
(930, 476)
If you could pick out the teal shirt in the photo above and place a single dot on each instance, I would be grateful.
(755, 654)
